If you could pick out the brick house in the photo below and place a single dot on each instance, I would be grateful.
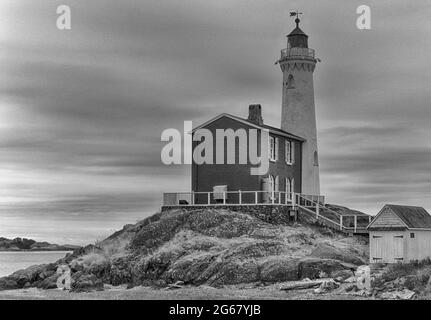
(285, 161)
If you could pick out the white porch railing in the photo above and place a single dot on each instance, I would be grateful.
(230, 198)
(345, 222)
(314, 205)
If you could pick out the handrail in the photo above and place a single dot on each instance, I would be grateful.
(320, 216)
(313, 204)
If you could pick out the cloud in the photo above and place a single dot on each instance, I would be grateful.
(81, 112)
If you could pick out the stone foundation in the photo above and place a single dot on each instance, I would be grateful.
(274, 214)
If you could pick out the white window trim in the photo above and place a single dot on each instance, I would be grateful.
(272, 153)
(271, 183)
(289, 187)
(290, 161)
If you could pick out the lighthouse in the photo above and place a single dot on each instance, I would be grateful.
(298, 114)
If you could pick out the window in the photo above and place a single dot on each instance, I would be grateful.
(316, 159)
(289, 188)
(289, 152)
(273, 149)
(271, 183)
(412, 235)
(290, 84)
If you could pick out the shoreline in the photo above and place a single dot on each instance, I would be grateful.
(232, 292)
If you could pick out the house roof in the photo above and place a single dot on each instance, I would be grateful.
(413, 217)
(271, 129)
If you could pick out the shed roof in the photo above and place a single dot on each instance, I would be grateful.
(413, 217)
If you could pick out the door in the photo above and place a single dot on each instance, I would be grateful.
(265, 185)
(376, 252)
(398, 248)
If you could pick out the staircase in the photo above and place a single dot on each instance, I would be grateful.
(318, 212)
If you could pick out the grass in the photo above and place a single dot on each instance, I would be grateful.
(416, 274)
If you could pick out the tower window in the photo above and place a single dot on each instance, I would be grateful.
(315, 159)
(290, 84)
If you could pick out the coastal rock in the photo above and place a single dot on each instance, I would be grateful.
(82, 282)
(49, 282)
(6, 283)
(279, 270)
(342, 275)
(235, 272)
(120, 271)
(31, 274)
(314, 268)
(326, 251)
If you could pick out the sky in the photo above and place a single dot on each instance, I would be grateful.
(82, 110)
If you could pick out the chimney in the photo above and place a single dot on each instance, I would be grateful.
(255, 114)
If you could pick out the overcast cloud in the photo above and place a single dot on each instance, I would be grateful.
(81, 111)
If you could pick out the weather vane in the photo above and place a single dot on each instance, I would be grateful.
(296, 14)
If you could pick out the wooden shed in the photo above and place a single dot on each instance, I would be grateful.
(400, 234)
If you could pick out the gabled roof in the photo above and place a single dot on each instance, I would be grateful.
(412, 217)
(272, 130)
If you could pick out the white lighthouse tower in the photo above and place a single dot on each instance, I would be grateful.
(298, 114)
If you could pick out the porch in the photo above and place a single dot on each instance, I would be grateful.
(312, 206)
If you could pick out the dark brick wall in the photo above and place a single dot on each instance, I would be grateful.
(237, 176)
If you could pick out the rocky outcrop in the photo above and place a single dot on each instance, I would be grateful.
(86, 282)
(349, 254)
(203, 246)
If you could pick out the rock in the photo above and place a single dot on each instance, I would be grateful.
(101, 270)
(351, 279)
(194, 268)
(121, 272)
(76, 266)
(6, 283)
(398, 295)
(85, 282)
(326, 251)
(342, 275)
(313, 267)
(29, 274)
(49, 282)
(351, 288)
(363, 277)
(46, 274)
(326, 285)
(303, 284)
(279, 270)
(176, 285)
(235, 272)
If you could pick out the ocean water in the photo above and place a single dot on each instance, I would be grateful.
(13, 261)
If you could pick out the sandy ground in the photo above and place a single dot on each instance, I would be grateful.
(187, 293)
